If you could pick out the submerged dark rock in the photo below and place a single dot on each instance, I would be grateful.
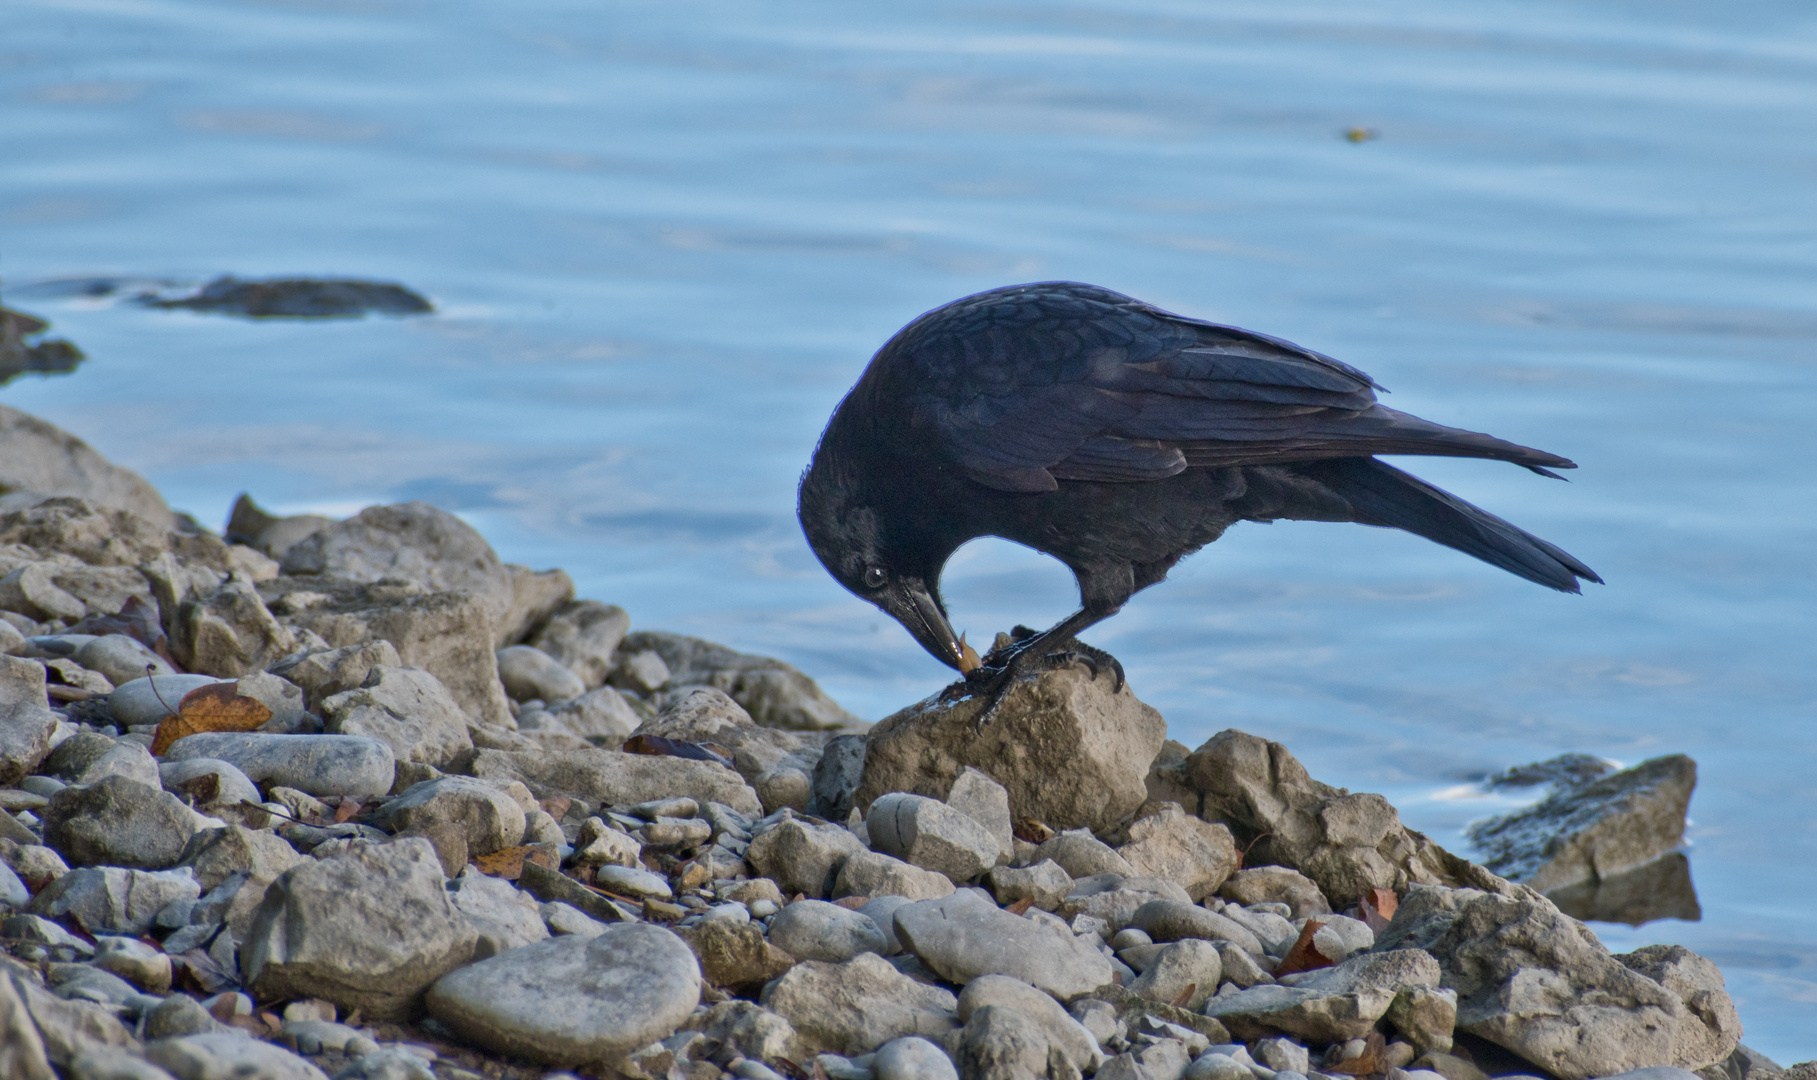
(298, 298)
(19, 355)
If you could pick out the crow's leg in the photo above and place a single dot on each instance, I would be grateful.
(1031, 651)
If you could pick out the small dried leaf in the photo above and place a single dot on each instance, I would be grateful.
(1368, 1063)
(1181, 999)
(1377, 907)
(346, 811)
(1021, 906)
(215, 707)
(852, 903)
(1304, 956)
(557, 806)
(661, 747)
(508, 863)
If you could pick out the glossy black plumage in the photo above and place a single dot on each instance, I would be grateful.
(1118, 438)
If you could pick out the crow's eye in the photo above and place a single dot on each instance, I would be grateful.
(875, 577)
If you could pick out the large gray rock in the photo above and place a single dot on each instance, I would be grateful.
(1345, 842)
(708, 716)
(26, 721)
(214, 855)
(601, 715)
(985, 801)
(1070, 752)
(1594, 830)
(32, 590)
(774, 693)
(1082, 855)
(119, 657)
(1062, 1034)
(40, 457)
(504, 917)
(1002, 1043)
(964, 936)
(932, 835)
(1539, 983)
(1276, 885)
(88, 757)
(529, 672)
(1189, 967)
(448, 634)
(318, 764)
(817, 930)
(1711, 1030)
(1174, 920)
(1194, 854)
(615, 778)
(1331, 1004)
(855, 1007)
(536, 595)
(801, 856)
(148, 700)
(570, 1000)
(368, 929)
(1044, 884)
(113, 900)
(583, 636)
(913, 1058)
(408, 709)
(86, 530)
(410, 541)
(1116, 899)
(119, 822)
(870, 873)
(229, 632)
(486, 816)
(323, 673)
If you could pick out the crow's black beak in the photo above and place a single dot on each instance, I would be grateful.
(913, 605)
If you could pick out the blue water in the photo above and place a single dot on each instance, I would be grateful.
(664, 239)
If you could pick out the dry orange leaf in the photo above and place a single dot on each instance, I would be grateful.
(1377, 907)
(1180, 999)
(1304, 956)
(346, 811)
(508, 863)
(1021, 906)
(215, 707)
(1368, 1063)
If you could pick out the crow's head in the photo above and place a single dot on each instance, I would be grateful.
(852, 533)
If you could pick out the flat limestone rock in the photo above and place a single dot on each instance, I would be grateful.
(317, 764)
(570, 1000)
(41, 457)
(614, 778)
(855, 1007)
(1592, 831)
(1070, 753)
(1331, 1004)
(119, 822)
(407, 708)
(774, 693)
(962, 937)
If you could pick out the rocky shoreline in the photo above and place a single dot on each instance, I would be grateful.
(355, 799)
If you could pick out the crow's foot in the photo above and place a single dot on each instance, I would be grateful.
(1023, 655)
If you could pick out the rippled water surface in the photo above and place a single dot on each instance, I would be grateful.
(664, 238)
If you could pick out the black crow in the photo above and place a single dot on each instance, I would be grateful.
(1118, 438)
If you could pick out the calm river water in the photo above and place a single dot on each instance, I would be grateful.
(664, 238)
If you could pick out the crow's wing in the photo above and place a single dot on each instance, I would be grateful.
(1025, 386)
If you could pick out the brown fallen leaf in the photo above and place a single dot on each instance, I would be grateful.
(852, 903)
(1021, 906)
(1181, 999)
(661, 747)
(1377, 907)
(508, 863)
(557, 806)
(1030, 831)
(346, 811)
(1304, 956)
(215, 707)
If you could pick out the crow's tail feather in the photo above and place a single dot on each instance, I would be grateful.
(1384, 495)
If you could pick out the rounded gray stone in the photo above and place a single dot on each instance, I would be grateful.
(138, 701)
(912, 1058)
(817, 930)
(572, 1000)
(317, 764)
(631, 881)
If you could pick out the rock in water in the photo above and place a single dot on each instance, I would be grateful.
(1592, 831)
(298, 298)
(1070, 752)
(368, 929)
(571, 1000)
